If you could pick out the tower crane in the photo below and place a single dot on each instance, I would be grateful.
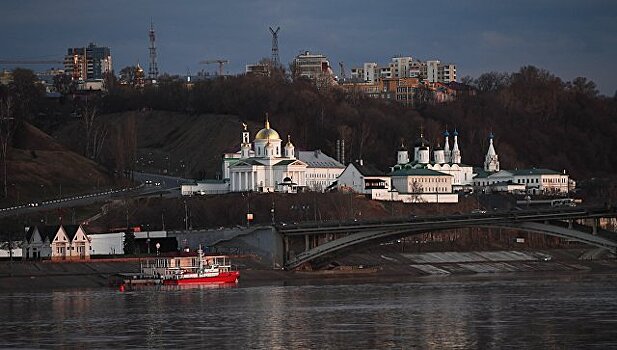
(31, 62)
(343, 75)
(221, 63)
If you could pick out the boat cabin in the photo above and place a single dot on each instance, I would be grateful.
(169, 266)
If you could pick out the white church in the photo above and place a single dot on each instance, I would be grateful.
(265, 165)
(533, 180)
(445, 160)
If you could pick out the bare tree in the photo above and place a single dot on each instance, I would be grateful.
(8, 125)
(416, 192)
(96, 132)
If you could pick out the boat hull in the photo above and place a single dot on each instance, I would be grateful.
(222, 277)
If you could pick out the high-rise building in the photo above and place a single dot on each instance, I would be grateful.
(312, 66)
(432, 71)
(88, 63)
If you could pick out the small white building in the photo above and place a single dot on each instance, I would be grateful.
(205, 187)
(415, 185)
(534, 180)
(360, 178)
(14, 252)
(321, 169)
(63, 242)
(445, 160)
(111, 243)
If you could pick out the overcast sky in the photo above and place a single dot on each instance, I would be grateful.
(568, 38)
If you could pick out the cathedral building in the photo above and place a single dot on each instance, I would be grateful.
(491, 178)
(445, 160)
(265, 165)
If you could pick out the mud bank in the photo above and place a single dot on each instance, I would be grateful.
(30, 276)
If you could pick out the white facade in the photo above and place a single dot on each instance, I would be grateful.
(491, 161)
(431, 71)
(206, 187)
(64, 242)
(16, 253)
(264, 165)
(536, 181)
(107, 243)
(420, 185)
(462, 175)
(321, 171)
(445, 161)
(360, 179)
(313, 66)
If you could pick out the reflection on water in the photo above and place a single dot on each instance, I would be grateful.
(490, 312)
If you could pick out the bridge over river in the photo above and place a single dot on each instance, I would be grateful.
(305, 242)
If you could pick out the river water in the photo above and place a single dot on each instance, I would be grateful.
(516, 311)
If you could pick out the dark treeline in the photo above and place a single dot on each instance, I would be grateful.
(539, 120)
(315, 118)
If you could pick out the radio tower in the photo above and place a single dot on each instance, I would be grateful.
(275, 46)
(153, 70)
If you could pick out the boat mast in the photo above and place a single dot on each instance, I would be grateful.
(200, 254)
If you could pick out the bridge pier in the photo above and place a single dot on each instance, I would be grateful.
(286, 247)
(594, 227)
(321, 240)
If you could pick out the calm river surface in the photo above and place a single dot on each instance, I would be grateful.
(573, 311)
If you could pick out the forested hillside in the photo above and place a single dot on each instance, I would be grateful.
(538, 119)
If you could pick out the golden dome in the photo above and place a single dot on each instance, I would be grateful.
(267, 133)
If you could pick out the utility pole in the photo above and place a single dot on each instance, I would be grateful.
(186, 217)
(163, 218)
(272, 210)
(275, 46)
(153, 70)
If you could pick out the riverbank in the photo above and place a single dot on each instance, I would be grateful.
(393, 267)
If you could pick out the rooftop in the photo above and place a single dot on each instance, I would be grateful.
(317, 159)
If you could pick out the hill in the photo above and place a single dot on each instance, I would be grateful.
(39, 167)
(538, 119)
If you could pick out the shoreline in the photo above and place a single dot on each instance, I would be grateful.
(44, 276)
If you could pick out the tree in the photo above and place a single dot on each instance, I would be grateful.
(96, 132)
(26, 92)
(64, 84)
(416, 192)
(421, 97)
(491, 82)
(584, 87)
(8, 124)
(129, 242)
(127, 75)
(126, 145)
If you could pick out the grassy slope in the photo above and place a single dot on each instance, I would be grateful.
(197, 141)
(38, 165)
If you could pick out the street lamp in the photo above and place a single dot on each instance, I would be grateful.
(148, 237)
(16, 190)
(158, 246)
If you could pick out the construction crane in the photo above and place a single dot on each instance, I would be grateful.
(31, 62)
(343, 75)
(221, 63)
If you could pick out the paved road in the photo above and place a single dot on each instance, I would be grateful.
(167, 186)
